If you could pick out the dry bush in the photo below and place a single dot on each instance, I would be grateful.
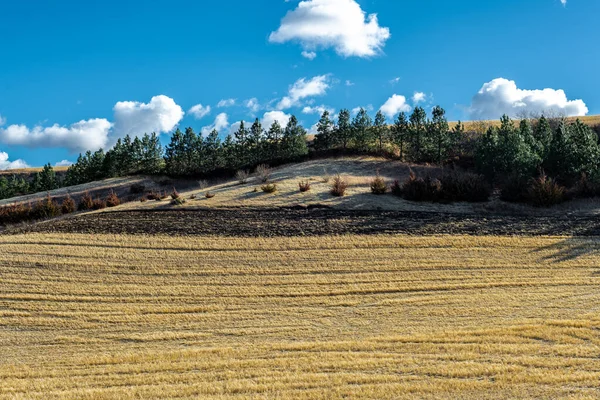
(397, 189)
(339, 186)
(46, 208)
(304, 186)
(585, 188)
(269, 188)
(68, 205)
(15, 213)
(464, 187)
(86, 202)
(209, 195)
(154, 196)
(545, 192)
(421, 189)
(264, 173)
(112, 200)
(242, 176)
(175, 194)
(143, 199)
(98, 204)
(137, 188)
(378, 185)
(193, 197)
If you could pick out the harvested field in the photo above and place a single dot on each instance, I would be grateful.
(116, 316)
(245, 222)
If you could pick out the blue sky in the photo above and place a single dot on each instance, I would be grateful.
(77, 75)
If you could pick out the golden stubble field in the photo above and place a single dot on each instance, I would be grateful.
(101, 316)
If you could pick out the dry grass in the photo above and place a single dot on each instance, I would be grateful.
(591, 120)
(321, 317)
(33, 170)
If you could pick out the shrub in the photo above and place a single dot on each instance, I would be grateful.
(46, 208)
(242, 176)
(15, 213)
(86, 202)
(144, 199)
(378, 185)
(339, 186)
(585, 188)
(545, 192)
(421, 189)
(304, 186)
(153, 196)
(177, 201)
(269, 188)
(209, 195)
(98, 204)
(515, 189)
(175, 194)
(464, 187)
(68, 205)
(137, 188)
(397, 189)
(112, 200)
(264, 173)
(193, 197)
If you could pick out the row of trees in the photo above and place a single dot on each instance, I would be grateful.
(42, 181)
(520, 152)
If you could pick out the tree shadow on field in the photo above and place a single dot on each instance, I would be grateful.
(571, 249)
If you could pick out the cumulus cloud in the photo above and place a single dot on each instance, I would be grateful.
(63, 163)
(303, 88)
(221, 123)
(133, 118)
(419, 97)
(226, 103)
(502, 96)
(199, 111)
(338, 24)
(394, 105)
(6, 164)
(80, 136)
(2, 120)
(311, 55)
(349, 83)
(252, 104)
(272, 116)
(317, 110)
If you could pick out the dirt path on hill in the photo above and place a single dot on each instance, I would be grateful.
(311, 222)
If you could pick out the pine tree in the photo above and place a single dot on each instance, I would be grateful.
(294, 140)
(361, 130)
(343, 130)
(324, 139)
(417, 132)
(48, 178)
(400, 133)
(213, 152)
(380, 130)
(241, 144)
(274, 136)
(174, 155)
(442, 140)
(255, 142)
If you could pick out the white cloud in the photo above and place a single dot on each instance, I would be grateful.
(563, 2)
(81, 136)
(6, 164)
(199, 111)
(63, 163)
(252, 104)
(502, 96)
(302, 89)
(338, 24)
(2, 120)
(317, 110)
(226, 103)
(221, 123)
(133, 118)
(395, 80)
(355, 110)
(311, 55)
(349, 83)
(272, 116)
(394, 105)
(419, 97)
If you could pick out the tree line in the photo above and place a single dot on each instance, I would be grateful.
(564, 150)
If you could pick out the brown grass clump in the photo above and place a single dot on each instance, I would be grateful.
(68, 205)
(339, 186)
(86, 202)
(304, 186)
(98, 204)
(264, 173)
(242, 176)
(209, 195)
(378, 185)
(421, 189)
(269, 188)
(15, 213)
(545, 192)
(175, 194)
(112, 200)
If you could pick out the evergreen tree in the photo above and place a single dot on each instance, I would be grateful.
(417, 132)
(213, 152)
(174, 155)
(441, 139)
(361, 130)
(380, 130)
(274, 137)
(343, 130)
(400, 133)
(324, 137)
(241, 144)
(543, 135)
(47, 178)
(294, 140)
(255, 142)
